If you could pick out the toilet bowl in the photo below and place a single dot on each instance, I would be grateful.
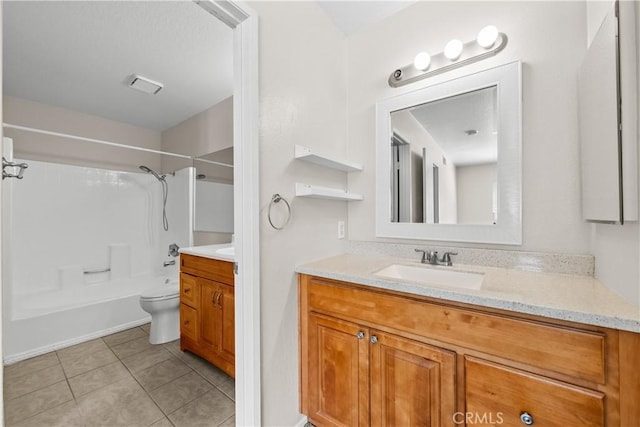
(162, 303)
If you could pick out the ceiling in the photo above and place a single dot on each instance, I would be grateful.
(448, 121)
(79, 55)
(351, 16)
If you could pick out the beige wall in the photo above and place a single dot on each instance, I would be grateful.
(475, 193)
(204, 133)
(207, 132)
(302, 101)
(549, 38)
(29, 145)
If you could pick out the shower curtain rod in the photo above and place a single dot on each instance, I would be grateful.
(212, 162)
(95, 141)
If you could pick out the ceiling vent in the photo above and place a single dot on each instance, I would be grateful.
(144, 84)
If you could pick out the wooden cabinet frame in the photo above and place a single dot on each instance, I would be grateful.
(207, 310)
(594, 365)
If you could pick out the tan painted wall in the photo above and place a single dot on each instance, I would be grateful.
(29, 145)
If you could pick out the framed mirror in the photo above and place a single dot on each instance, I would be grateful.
(448, 160)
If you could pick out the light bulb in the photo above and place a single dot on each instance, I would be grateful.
(453, 49)
(487, 36)
(422, 61)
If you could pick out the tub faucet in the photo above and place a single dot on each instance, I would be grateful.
(431, 257)
(168, 263)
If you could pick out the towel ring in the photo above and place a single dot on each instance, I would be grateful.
(276, 198)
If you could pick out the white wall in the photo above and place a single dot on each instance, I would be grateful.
(548, 37)
(617, 248)
(302, 101)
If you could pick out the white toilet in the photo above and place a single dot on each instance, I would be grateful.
(162, 303)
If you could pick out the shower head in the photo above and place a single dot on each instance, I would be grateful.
(152, 172)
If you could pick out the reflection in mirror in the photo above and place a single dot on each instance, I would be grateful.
(445, 153)
(214, 192)
(448, 160)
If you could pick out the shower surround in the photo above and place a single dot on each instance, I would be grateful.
(79, 245)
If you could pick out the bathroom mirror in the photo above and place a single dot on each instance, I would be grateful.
(214, 192)
(448, 160)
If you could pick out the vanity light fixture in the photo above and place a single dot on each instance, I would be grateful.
(456, 54)
(422, 61)
(453, 49)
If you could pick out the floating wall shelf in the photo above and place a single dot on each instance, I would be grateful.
(306, 154)
(317, 192)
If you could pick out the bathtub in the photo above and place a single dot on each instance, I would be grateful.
(50, 320)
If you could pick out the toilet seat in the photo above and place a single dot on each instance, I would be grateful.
(160, 293)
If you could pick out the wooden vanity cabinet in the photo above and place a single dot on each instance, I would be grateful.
(207, 310)
(362, 376)
(372, 357)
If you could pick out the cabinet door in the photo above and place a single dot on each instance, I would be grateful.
(506, 395)
(210, 317)
(227, 333)
(412, 384)
(338, 373)
(188, 322)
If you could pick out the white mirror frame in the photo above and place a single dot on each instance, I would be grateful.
(508, 230)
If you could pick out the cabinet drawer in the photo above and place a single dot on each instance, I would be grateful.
(189, 290)
(213, 269)
(567, 351)
(504, 394)
(188, 322)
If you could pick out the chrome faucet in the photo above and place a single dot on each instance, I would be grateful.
(168, 263)
(431, 257)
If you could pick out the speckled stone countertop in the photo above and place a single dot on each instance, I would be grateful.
(569, 297)
(222, 252)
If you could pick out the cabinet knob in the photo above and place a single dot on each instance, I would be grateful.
(218, 299)
(186, 322)
(374, 339)
(360, 335)
(526, 418)
(186, 291)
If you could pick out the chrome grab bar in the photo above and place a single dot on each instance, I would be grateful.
(8, 164)
(106, 270)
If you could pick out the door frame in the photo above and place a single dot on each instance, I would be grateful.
(244, 22)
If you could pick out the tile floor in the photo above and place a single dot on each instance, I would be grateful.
(118, 380)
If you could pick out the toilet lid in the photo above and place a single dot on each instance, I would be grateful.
(163, 291)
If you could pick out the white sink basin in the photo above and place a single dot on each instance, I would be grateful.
(230, 251)
(432, 276)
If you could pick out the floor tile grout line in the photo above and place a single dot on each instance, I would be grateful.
(143, 389)
(40, 411)
(227, 419)
(4, 367)
(170, 349)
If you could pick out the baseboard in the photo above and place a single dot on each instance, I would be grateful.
(67, 343)
(303, 422)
